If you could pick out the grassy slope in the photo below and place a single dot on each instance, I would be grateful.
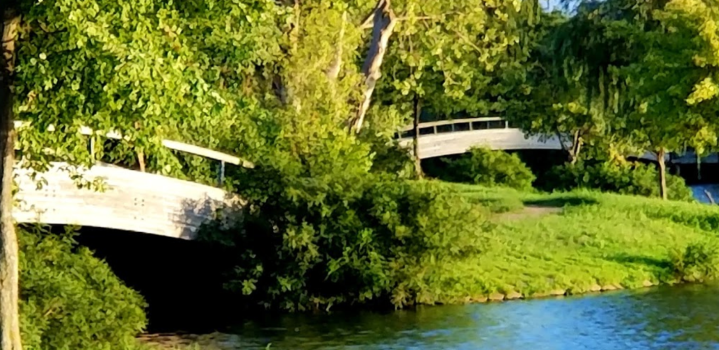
(598, 239)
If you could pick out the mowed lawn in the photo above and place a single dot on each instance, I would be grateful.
(577, 241)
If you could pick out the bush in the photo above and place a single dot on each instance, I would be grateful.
(483, 166)
(625, 178)
(72, 300)
(697, 263)
(373, 240)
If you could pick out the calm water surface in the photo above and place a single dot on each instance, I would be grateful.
(684, 317)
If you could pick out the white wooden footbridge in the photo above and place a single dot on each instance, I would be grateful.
(131, 200)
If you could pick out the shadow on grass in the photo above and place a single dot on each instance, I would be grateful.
(498, 205)
(561, 202)
(654, 263)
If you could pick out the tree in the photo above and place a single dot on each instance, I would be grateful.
(671, 82)
(574, 90)
(9, 255)
(452, 59)
(640, 73)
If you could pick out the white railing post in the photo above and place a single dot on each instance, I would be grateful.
(221, 174)
(92, 148)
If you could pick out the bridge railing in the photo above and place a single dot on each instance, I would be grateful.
(456, 125)
(223, 158)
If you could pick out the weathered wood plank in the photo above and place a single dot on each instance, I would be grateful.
(133, 201)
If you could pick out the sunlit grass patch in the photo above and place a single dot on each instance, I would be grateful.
(597, 239)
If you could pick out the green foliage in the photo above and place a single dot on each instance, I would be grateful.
(698, 262)
(72, 300)
(150, 70)
(625, 178)
(375, 239)
(483, 166)
(391, 159)
(454, 58)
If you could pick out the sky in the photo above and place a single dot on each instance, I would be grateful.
(549, 4)
(555, 4)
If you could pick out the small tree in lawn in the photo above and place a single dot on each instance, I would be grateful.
(672, 84)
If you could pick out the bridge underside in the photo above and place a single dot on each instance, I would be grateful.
(131, 201)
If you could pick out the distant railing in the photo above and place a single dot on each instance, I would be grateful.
(456, 125)
(174, 145)
(514, 140)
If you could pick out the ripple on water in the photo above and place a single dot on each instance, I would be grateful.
(684, 317)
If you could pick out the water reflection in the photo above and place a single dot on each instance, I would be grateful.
(685, 317)
(699, 192)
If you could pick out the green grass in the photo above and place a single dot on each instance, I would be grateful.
(597, 239)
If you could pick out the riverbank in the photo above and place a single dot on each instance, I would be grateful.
(564, 244)
(679, 317)
(550, 245)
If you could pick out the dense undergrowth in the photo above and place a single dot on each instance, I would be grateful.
(626, 178)
(72, 300)
(378, 240)
(483, 166)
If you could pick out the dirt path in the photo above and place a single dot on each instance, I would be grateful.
(529, 211)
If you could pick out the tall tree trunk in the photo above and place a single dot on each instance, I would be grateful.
(9, 275)
(417, 158)
(383, 26)
(141, 160)
(662, 173)
(699, 167)
(564, 146)
(334, 70)
(576, 147)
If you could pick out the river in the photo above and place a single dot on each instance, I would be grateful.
(680, 317)
(700, 192)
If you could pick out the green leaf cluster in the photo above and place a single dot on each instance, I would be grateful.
(71, 299)
(633, 178)
(314, 243)
(483, 166)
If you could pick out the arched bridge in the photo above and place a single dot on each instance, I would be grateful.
(130, 201)
(449, 137)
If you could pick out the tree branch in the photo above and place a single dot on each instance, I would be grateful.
(334, 69)
(369, 21)
(469, 42)
(384, 23)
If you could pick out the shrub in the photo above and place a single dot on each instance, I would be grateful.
(484, 166)
(374, 240)
(698, 262)
(625, 178)
(72, 300)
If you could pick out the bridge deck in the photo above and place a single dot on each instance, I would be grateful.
(448, 137)
(443, 144)
(132, 201)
